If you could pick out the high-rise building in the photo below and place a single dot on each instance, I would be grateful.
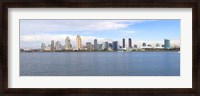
(95, 44)
(105, 45)
(115, 45)
(89, 46)
(52, 45)
(123, 43)
(43, 47)
(67, 43)
(167, 44)
(129, 43)
(78, 42)
(58, 46)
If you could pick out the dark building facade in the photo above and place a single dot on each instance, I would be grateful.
(115, 45)
(123, 43)
(95, 44)
(52, 45)
(129, 43)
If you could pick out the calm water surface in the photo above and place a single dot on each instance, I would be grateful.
(100, 64)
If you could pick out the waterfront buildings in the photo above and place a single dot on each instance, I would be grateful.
(123, 43)
(105, 46)
(115, 45)
(52, 45)
(143, 44)
(95, 44)
(58, 46)
(43, 47)
(110, 45)
(78, 42)
(67, 43)
(129, 43)
(89, 46)
(48, 48)
(167, 44)
(100, 47)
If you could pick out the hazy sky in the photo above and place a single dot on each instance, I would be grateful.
(34, 32)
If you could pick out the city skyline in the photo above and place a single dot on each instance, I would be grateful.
(32, 35)
(109, 46)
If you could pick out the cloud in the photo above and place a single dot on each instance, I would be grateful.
(34, 32)
(64, 26)
(60, 26)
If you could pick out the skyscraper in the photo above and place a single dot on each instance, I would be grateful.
(58, 46)
(67, 43)
(95, 44)
(123, 43)
(52, 45)
(129, 43)
(167, 44)
(43, 47)
(89, 46)
(105, 46)
(78, 42)
(115, 45)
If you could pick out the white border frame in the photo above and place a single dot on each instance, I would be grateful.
(182, 81)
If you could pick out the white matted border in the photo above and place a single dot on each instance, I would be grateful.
(182, 81)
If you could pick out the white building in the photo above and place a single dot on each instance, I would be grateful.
(78, 42)
(67, 43)
(43, 46)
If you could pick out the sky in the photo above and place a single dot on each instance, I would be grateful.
(34, 32)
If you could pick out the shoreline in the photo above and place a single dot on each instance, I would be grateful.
(97, 51)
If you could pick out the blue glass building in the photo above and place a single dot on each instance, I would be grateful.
(115, 45)
(167, 44)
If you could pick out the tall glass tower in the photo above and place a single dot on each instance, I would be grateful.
(95, 44)
(78, 42)
(123, 43)
(167, 44)
(43, 46)
(52, 45)
(129, 43)
(115, 45)
(67, 43)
